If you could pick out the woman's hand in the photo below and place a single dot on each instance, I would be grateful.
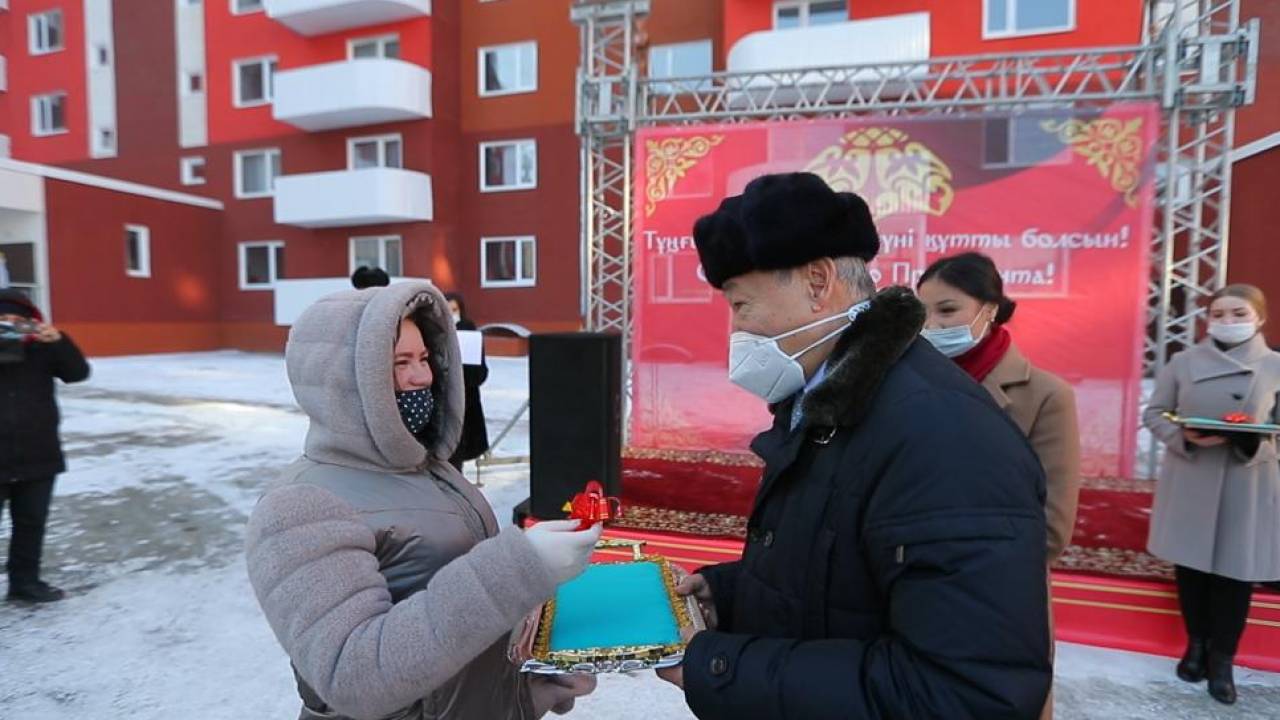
(557, 693)
(563, 549)
(1199, 439)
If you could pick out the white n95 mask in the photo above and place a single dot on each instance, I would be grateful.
(759, 366)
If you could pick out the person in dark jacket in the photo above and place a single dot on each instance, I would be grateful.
(894, 564)
(367, 277)
(30, 450)
(475, 436)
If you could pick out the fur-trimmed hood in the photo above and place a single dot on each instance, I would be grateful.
(339, 358)
(864, 354)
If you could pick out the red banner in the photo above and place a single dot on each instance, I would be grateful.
(1061, 201)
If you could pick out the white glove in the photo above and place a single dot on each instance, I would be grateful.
(562, 549)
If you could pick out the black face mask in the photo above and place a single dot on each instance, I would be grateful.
(416, 408)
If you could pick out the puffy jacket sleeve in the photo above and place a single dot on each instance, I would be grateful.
(312, 565)
(68, 362)
(955, 540)
(1165, 399)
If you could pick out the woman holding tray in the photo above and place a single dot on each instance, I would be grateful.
(1217, 503)
(381, 570)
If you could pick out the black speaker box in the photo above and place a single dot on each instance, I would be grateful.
(575, 417)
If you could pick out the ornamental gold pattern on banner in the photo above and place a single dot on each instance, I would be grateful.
(668, 161)
(892, 172)
(1111, 145)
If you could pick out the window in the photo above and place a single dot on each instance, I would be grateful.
(789, 14)
(191, 170)
(370, 152)
(508, 69)
(387, 46)
(254, 81)
(195, 83)
(137, 251)
(688, 59)
(261, 264)
(244, 7)
(1018, 141)
(508, 165)
(44, 32)
(508, 262)
(49, 114)
(104, 56)
(1010, 18)
(380, 252)
(256, 172)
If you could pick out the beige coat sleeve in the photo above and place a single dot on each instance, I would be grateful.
(1165, 399)
(312, 566)
(1055, 437)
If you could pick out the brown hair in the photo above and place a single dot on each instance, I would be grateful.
(1248, 293)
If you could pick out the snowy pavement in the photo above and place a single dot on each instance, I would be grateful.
(168, 454)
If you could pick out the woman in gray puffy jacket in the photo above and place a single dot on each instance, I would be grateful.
(382, 572)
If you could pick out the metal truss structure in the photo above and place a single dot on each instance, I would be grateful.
(1197, 60)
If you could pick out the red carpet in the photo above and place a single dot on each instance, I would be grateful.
(693, 507)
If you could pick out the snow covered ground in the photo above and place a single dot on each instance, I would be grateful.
(168, 454)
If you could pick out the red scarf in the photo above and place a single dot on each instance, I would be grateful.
(983, 358)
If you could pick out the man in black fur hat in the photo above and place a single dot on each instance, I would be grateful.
(894, 565)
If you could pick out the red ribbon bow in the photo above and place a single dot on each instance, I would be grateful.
(592, 506)
(1238, 418)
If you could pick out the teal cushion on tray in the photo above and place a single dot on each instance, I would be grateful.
(614, 605)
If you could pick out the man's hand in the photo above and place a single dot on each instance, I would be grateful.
(1199, 439)
(697, 586)
(46, 333)
(675, 675)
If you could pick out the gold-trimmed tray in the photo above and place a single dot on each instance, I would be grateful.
(531, 646)
(1213, 425)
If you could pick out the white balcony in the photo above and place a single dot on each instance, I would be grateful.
(893, 39)
(353, 197)
(317, 17)
(351, 93)
(896, 38)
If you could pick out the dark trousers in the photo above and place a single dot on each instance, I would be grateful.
(28, 502)
(1214, 608)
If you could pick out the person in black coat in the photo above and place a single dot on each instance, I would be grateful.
(475, 436)
(367, 277)
(894, 563)
(30, 450)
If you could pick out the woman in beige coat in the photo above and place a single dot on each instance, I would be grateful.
(967, 310)
(1217, 505)
(383, 573)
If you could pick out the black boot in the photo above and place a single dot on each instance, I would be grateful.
(36, 592)
(1222, 686)
(1192, 666)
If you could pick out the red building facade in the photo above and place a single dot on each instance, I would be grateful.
(290, 139)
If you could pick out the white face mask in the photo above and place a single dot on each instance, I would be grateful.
(954, 341)
(1232, 333)
(759, 366)
(457, 318)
